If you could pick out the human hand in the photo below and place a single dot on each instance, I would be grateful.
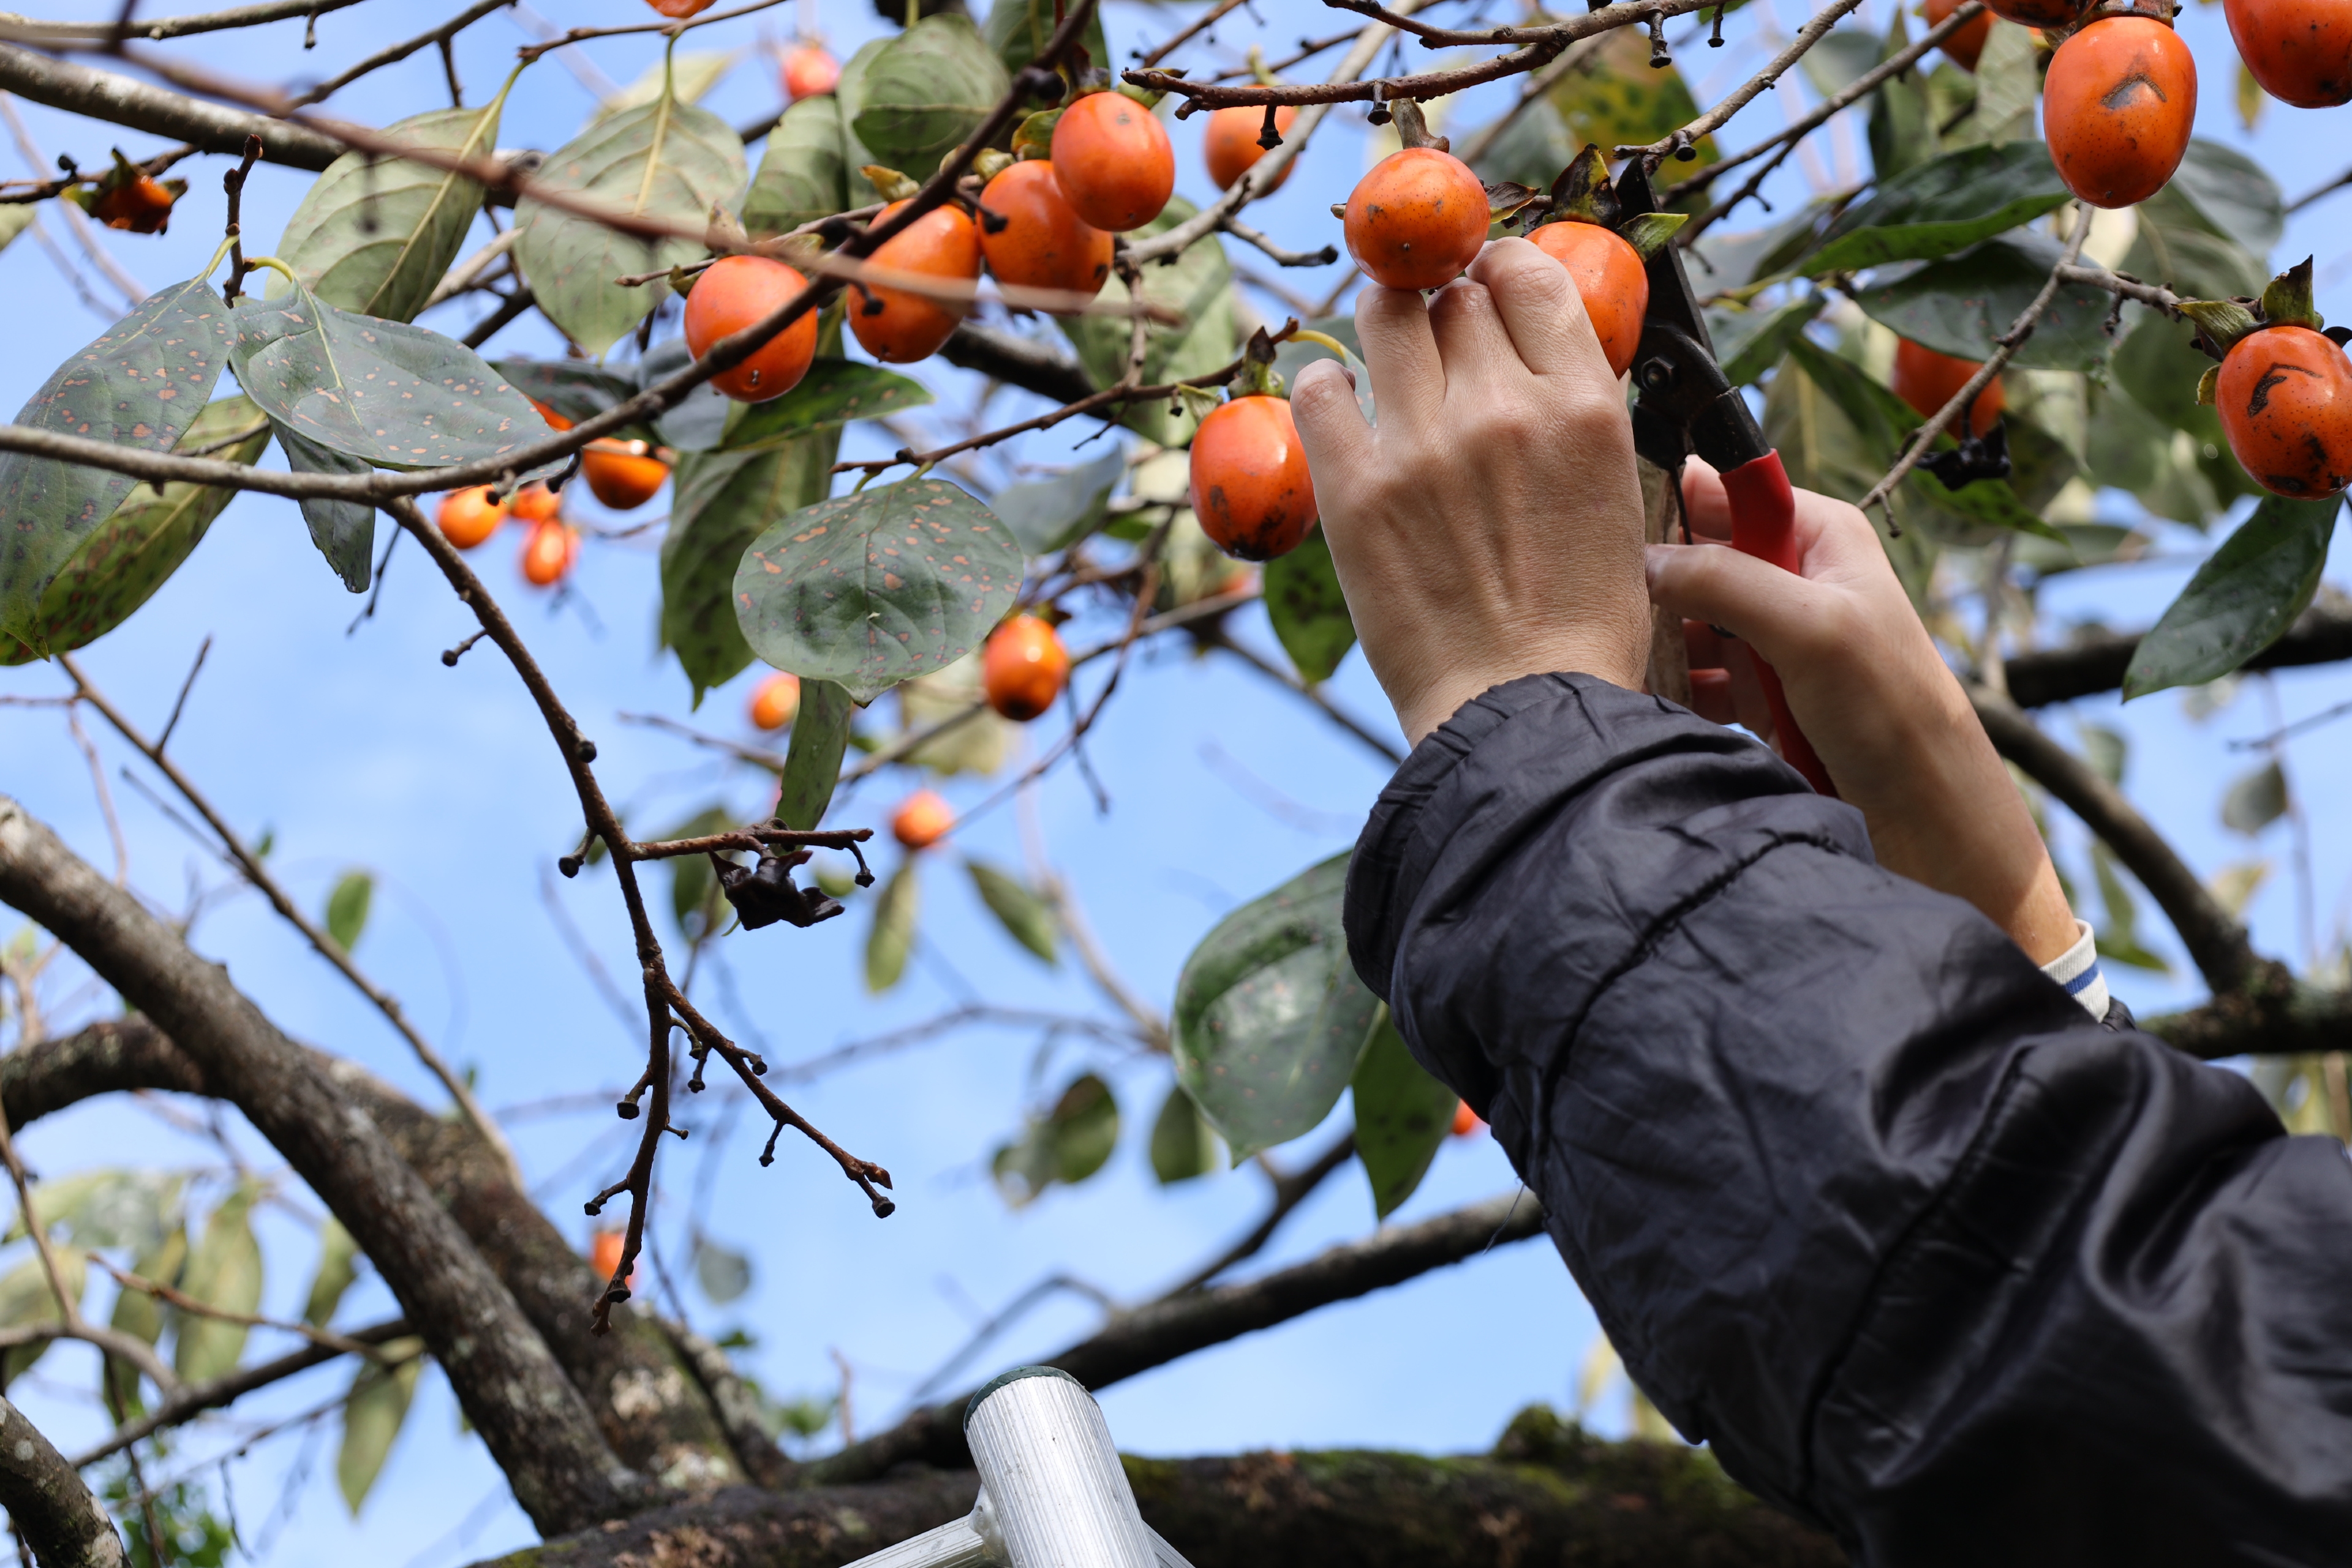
(1864, 681)
(1490, 526)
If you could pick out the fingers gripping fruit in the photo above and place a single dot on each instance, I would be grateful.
(1965, 47)
(623, 475)
(1927, 380)
(737, 291)
(2284, 395)
(809, 70)
(1042, 243)
(548, 553)
(1231, 143)
(1417, 219)
(777, 701)
(2299, 51)
(896, 325)
(1610, 279)
(1024, 667)
(1112, 157)
(469, 516)
(1251, 489)
(921, 820)
(2117, 108)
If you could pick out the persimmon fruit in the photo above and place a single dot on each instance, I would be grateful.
(1965, 47)
(776, 701)
(1927, 380)
(1610, 279)
(921, 820)
(2299, 51)
(469, 516)
(2117, 108)
(1040, 242)
(140, 204)
(1417, 219)
(1112, 157)
(548, 553)
(623, 475)
(605, 1255)
(1231, 146)
(808, 69)
(2024, 13)
(1251, 489)
(535, 504)
(1466, 1121)
(678, 10)
(2284, 396)
(1024, 667)
(896, 325)
(739, 291)
(554, 421)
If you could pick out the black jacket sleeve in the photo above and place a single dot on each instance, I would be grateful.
(1863, 1199)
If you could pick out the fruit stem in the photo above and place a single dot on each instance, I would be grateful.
(1321, 340)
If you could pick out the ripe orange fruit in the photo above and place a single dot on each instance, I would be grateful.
(141, 204)
(535, 504)
(921, 820)
(469, 516)
(554, 421)
(1230, 143)
(776, 701)
(1963, 48)
(2284, 396)
(623, 475)
(2299, 51)
(1610, 279)
(2024, 13)
(1251, 489)
(808, 71)
(605, 1255)
(737, 291)
(899, 327)
(1112, 157)
(1927, 380)
(1417, 219)
(1024, 667)
(548, 553)
(2116, 108)
(1045, 244)
(681, 9)
(1466, 1121)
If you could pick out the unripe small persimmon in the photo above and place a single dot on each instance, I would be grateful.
(1966, 47)
(921, 820)
(623, 475)
(469, 516)
(2299, 51)
(1610, 279)
(1466, 1121)
(776, 701)
(1417, 219)
(548, 553)
(1927, 380)
(808, 69)
(1024, 667)
(1042, 242)
(2117, 108)
(1112, 157)
(535, 504)
(2024, 13)
(739, 291)
(2284, 396)
(898, 326)
(680, 10)
(140, 204)
(1231, 143)
(1251, 489)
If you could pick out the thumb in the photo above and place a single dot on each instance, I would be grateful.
(1779, 614)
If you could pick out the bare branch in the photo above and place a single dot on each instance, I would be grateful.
(401, 51)
(119, 100)
(1812, 33)
(57, 1515)
(37, 30)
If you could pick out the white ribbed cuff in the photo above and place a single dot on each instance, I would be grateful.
(2077, 969)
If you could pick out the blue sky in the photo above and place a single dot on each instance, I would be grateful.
(362, 750)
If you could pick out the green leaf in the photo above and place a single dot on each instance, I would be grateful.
(723, 1273)
(693, 891)
(1018, 29)
(1402, 1115)
(1046, 515)
(892, 936)
(812, 764)
(1902, 122)
(1026, 917)
(117, 566)
(347, 908)
(139, 385)
(1184, 1145)
(1620, 99)
(833, 392)
(376, 235)
(1842, 59)
(699, 421)
(2233, 196)
(2008, 79)
(388, 393)
(1941, 206)
(1270, 1017)
(2156, 371)
(2107, 751)
(869, 589)
(2119, 942)
(373, 1415)
(666, 160)
(720, 503)
(580, 391)
(224, 1272)
(108, 1208)
(338, 1267)
(1750, 342)
(2176, 243)
(344, 531)
(1308, 612)
(1532, 150)
(1296, 355)
(691, 73)
(977, 742)
(2256, 800)
(14, 219)
(849, 100)
(1199, 287)
(925, 91)
(803, 175)
(135, 1312)
(2242, 599)
(25, 1300)
(1963, 304)
(1071, 1143)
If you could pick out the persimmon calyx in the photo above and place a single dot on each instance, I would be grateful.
(1256, 378)
(2221, 323)
(991, 164)
(1258, 73)
(2208, 385)
(890, 185)
(1035, 139)
(2287, 299)
(1413, 127)
(1648, 233)
(1583, 191)
(1508, 198)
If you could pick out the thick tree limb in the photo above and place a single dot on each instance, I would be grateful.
(2305, 1021)
(119, 100)
(537, 1427)
(2095, 663)
(64, 1525)
(37, 30)
(1024, 363)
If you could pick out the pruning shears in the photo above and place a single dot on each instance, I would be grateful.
(1686, 406)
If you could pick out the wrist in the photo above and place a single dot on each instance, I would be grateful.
(1424, 709)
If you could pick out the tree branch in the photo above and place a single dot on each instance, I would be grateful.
(2096, 662)
(59, 1519)
(1024, 362)
(119, 100)
(37, 30)
(1812, 33)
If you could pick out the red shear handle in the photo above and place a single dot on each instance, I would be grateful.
(1763, 524)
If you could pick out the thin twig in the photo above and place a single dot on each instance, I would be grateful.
(1690, 135)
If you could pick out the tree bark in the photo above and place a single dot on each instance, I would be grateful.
(60, 1521)
(2323, 635)
(1018, 362)
(119, 100)
(537, 1426)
